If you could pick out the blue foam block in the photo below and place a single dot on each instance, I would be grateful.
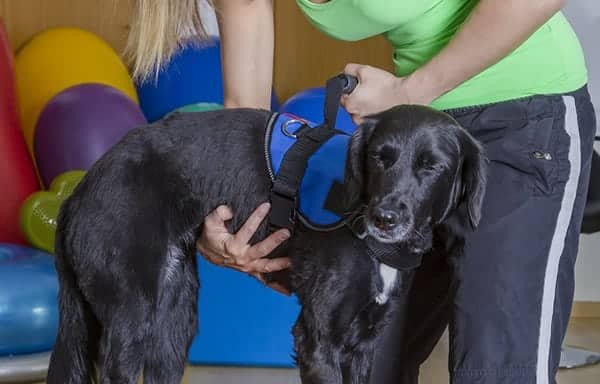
(242, 322)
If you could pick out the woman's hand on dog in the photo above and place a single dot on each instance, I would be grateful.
(233, 250)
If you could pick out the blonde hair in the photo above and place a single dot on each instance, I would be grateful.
(158, 28)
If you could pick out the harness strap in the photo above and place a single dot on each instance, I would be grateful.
(334, 201)
(335, 88)
(284, 191)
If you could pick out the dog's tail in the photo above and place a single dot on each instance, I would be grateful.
(75, 351)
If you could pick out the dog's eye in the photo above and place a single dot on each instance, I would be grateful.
(426, 163)
(383, 158)
(378, 160)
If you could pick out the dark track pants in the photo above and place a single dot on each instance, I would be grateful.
(507, 300)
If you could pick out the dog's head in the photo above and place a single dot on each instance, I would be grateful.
(410, 168)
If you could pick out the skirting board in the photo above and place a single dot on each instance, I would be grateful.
(586, 309)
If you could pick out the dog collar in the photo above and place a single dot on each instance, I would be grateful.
(397, 256)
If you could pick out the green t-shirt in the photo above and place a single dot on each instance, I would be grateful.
(550, 61)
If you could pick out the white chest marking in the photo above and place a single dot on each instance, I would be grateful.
(388, 276)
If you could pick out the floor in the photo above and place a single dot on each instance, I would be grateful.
(584, 333)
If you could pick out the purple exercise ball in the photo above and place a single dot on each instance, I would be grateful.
(79, 125)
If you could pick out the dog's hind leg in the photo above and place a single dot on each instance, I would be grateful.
(122, 344)
(76, 347)
(175, 319)
(75, 350)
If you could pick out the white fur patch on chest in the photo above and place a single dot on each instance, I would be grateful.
(389, 276)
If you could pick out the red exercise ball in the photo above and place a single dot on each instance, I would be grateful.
(17, 174)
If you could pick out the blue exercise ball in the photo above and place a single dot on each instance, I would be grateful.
(192, 76)
(28, 300)
(309, 105)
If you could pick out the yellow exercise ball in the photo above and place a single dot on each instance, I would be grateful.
(57, 59)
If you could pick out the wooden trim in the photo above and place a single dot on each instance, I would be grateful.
(586, 309)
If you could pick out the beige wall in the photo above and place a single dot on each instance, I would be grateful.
(304, 57)
(24, 18)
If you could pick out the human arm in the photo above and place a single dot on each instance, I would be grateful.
(246, 30)
(247, 45)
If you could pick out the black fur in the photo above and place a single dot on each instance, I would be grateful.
(125, 245)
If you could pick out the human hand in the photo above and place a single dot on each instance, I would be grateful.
(379, 90)
(221, 247)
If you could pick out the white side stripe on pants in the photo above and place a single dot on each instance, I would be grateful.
(558, 242)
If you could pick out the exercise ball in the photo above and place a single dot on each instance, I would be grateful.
(17, 173)
(28, 300)
(309, 105)
(40, 211)
(197, 107)
(79, 125)
(200, 107)
(193, 75)
(58, 59)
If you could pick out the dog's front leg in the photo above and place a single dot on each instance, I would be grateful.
(359, 366)
(316, 356)
(360, 339)
(387, 364)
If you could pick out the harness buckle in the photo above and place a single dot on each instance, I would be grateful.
(283, 211)
(285, 128)
(356, 224)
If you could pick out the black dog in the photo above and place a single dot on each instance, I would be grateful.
(125, 246)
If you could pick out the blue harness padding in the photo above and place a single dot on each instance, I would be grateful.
(325, 168)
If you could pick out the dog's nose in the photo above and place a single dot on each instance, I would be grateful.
(385, 219)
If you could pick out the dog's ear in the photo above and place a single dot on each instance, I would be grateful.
(473, 177)
(354, 183)
(468, 186)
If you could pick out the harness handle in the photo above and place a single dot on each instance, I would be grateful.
(351, 83)
(334, 89)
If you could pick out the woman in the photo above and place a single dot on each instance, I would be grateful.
(513, 74)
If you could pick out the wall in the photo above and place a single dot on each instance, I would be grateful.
(585, 17)
(107, 18)
(303, 56)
